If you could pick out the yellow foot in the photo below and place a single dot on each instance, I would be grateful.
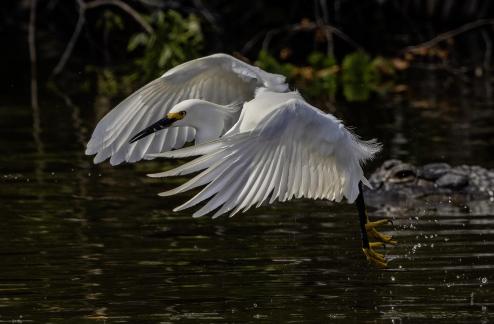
(373, 232)
(374, 257)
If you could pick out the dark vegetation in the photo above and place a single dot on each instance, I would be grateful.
(334, 50)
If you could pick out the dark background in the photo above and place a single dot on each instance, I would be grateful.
(382, 27)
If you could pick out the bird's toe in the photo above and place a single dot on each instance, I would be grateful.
(375, 258)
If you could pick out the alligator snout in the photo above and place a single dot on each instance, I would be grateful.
(396, 179)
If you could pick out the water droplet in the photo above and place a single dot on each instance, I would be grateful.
(484, 280)
(393, 278)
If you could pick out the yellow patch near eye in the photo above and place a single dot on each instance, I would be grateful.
(175, 116)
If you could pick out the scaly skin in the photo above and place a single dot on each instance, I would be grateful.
(396, 181)
(372, 256)
(368, 229)
(373, 232)
(375, 258)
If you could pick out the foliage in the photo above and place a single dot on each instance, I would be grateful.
(175, 39)
(110, 21)
(358, 76)
(267, 62)
(325, 80)
(317, 79)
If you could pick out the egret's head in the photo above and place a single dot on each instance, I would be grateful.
(171, 119)
(196, 113)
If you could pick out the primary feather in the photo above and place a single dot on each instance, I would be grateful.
(218, 78)
(281, 148)
(278, 148)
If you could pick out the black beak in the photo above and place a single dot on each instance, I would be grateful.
(159, 125)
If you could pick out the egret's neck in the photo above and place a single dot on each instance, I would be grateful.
(210, 120)
(205, 133)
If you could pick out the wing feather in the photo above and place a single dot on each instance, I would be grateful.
(295, 151)
(218, 78)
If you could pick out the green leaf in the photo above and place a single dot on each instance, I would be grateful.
(136, 41)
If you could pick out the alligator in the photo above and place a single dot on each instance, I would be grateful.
(398, 183)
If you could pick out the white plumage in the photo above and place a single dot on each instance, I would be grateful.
(279, 146)
(218, 78)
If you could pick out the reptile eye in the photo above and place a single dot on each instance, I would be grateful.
(404, 174)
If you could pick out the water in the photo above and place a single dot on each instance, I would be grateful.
(94, 243)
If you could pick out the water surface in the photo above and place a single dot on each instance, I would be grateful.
(95, 243)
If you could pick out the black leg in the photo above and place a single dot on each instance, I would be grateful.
(370, 227)
(362, 214)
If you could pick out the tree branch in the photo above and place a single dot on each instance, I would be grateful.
(450, 34)
(81, 20)
(308, 26)
(73, 39)
(34, 88)
(125, 7)
(31, 38)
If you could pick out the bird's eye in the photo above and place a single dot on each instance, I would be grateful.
(183, 113)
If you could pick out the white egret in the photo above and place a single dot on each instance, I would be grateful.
(256, 140)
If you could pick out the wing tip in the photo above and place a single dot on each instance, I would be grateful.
(98, 159)
(167, 194)
(194, 215)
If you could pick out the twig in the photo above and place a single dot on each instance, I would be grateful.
(73, 39)
(345, 37)
(34, 92)
(488, 51)
(81, 20)
(32, 55)
(251, 42)
(459, 73)
(450, 34)
(206, 13)
(310, 26)
(329, 35)
(269, 35)
(125, 7)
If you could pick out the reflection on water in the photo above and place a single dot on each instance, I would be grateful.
(95, 243)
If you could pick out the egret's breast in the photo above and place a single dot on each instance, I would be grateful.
(256, 110)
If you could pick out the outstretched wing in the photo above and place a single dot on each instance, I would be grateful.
(218, 78)
(296, 151)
